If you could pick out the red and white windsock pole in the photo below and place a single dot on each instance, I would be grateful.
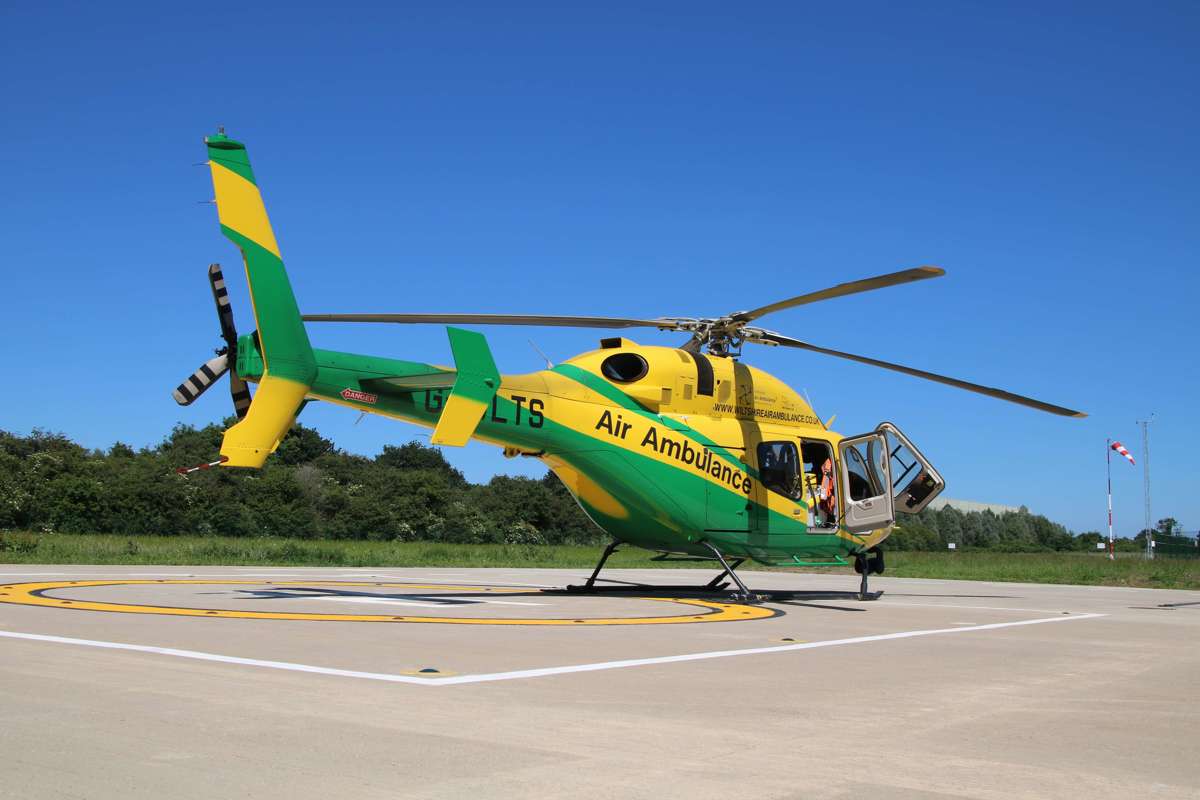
(1120, 448)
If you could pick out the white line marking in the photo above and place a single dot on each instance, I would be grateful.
(485, 583)
(985, 608)
(376, 602)
(526, 673)
(511, 603)
(383, 602)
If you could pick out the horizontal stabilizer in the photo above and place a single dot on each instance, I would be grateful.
(405, 384)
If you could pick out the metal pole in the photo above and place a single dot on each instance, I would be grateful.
(1145, 423)
(1112, 547)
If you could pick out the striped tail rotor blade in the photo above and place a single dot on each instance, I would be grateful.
(200, 380)
(221, 297)
(241, 394)
(237, 387)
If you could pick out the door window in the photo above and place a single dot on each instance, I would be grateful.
(866, 483)
(914, 480)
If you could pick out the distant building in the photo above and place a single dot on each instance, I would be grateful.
(972, 505)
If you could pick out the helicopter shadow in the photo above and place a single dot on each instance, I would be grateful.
(799, 598)
(804, 599)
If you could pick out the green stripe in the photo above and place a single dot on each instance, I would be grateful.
(285, 341)
(230, 154)
(626, 402)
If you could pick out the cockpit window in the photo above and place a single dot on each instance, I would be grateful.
(779, 468)
(624, 367)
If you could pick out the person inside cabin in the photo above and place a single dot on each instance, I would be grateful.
(827, 495)
(820, 484)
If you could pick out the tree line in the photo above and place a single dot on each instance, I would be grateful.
(308, 489)
(311, 489)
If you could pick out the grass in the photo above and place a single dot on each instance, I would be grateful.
(1072, 568)
(1088, 569)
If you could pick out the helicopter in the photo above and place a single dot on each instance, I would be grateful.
(686, 451)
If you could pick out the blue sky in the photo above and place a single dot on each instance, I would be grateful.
(635, 159)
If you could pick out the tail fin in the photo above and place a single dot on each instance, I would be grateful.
(475, 384)
(291, 367)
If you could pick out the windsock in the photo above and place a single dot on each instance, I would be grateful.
(1120, 448)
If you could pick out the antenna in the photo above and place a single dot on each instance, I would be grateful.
(546, 358)
(1145, 423)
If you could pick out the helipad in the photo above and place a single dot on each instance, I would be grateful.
(140, 682)
(166, 597)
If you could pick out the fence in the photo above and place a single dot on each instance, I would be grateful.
(1184, 545)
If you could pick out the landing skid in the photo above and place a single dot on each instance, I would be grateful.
(717, 584)
(865, 565)
(743, 594)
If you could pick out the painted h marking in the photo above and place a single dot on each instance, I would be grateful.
(528, 673)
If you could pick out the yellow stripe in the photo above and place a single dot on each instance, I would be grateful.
(240, 207)
(248, 443)
(581, 417)
(459, 419)
(31, 594)
(586, 489)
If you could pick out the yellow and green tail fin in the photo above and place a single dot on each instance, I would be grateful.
(475, 384)
(290, 367)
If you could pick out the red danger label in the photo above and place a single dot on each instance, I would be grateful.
(359, 397)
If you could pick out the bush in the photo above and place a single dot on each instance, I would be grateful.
(18, 542)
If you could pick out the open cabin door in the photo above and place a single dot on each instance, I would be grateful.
(914, 480)
(866, 483)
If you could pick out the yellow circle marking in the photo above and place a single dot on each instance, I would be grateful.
(34, 594)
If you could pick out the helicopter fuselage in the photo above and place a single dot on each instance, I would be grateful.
(663, 448)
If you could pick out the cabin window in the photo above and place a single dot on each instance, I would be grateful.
(779, 468)
(624, 367)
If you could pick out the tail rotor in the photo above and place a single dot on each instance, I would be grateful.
(225, 359)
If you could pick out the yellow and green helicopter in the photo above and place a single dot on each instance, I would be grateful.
(682, 450)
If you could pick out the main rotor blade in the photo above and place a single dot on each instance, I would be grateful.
(999, 394)
(843, 289)
(497, 319)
